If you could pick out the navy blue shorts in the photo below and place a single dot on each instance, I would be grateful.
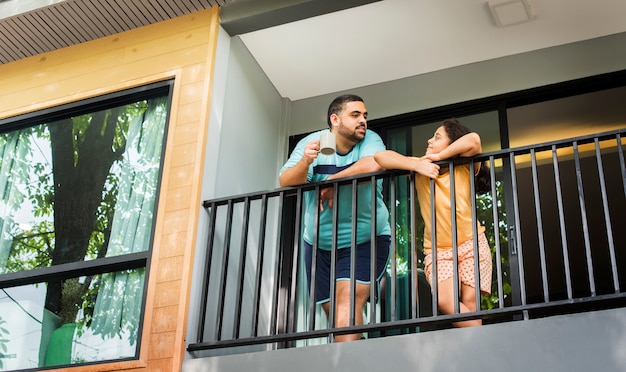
(363, 250)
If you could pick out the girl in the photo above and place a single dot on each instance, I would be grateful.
(452, 139)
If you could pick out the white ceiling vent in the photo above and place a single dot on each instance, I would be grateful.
(510, 12)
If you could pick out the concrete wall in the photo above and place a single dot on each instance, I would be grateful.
(247, 127)
(248, 112)
(584, 342)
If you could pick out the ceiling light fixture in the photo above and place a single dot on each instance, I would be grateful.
(510, 12)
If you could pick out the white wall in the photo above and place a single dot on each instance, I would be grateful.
(249, 113)
(245, 130)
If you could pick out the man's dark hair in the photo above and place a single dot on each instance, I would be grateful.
(339, 104)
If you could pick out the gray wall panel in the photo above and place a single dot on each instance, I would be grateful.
(592, 341)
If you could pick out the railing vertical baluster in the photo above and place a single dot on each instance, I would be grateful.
(373, 250)
(517, 237)
(607, 216)
(333, 259)
(475, 234)
(392, 285)
(242, 266)
(315, 247)
(455, 240)
(433, 240)
(293, 277)
(278, 260)
(314, 250)
(542, 250)
(583, 214)
(256, 302)
(207, 269)
(412, 254)
(559, 200)
(353, 253)
(622, 163)
(496, 230)
(224, 272)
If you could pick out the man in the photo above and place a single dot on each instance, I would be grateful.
(355, 149)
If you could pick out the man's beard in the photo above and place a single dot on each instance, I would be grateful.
(353, 136)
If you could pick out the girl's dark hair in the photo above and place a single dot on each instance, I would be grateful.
(455, 130)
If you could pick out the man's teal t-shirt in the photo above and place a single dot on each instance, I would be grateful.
(327, 165)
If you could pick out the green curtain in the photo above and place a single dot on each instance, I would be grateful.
(14, 149)
(118, 304)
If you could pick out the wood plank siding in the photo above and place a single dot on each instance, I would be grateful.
(182, 49)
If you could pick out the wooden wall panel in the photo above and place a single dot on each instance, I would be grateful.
(182, 49)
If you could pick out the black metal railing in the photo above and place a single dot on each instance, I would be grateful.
(552, 217)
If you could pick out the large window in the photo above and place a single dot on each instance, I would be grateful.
(78, 196)
(588, 225)
(569, 110)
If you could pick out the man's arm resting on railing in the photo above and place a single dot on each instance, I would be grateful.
(390, 159)
(296, 175)
(364, 165)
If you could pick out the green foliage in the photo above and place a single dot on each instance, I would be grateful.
(484, 206)
(3, 341)
(13, 150)
(31, 249)
(96, 143)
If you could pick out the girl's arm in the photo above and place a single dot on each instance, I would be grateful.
(389, 159)
(466, 146)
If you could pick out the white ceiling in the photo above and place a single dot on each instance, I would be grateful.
(394, 39)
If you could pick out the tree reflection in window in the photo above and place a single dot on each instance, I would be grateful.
(78, 189)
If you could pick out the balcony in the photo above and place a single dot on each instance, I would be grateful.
(552, 218)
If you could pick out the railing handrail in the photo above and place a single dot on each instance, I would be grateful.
(380, 174)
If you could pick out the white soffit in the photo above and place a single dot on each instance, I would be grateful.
(395, 39)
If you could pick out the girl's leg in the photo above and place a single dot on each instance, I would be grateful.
(468, 298)
(446, 302)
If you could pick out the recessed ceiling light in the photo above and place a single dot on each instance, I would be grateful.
(510, 12)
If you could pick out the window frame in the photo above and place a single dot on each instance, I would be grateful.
(124, 262)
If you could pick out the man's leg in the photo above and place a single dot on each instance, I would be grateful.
(342, 312)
